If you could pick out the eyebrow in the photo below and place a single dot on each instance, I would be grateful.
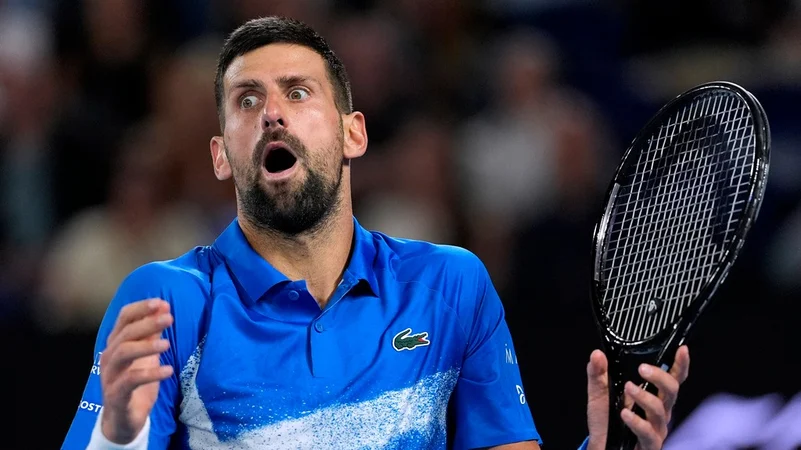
(291, 80)
(250, 83)
(283, 81)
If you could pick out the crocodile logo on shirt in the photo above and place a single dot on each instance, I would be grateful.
(407, 341)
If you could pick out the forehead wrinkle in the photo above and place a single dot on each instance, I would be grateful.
(302, 65)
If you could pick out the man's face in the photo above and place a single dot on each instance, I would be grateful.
(283, 138)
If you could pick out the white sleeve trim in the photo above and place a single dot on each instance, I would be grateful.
(100, 442)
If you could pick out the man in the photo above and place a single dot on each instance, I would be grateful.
(298, 328)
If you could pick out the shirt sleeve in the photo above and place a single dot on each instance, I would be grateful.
(100, 442)
(145, 282)
(489, 401)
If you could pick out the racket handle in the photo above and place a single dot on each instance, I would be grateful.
(622, 433)
(619, 436)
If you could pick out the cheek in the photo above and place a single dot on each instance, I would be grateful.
(321, 125)
(240, 139)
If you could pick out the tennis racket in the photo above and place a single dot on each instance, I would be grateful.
(674, 218)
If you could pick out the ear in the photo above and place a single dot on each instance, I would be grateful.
(355, 130)
(219, 158)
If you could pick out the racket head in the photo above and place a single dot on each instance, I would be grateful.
(754, 150)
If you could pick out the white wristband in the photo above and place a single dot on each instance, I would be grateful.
(100, 442)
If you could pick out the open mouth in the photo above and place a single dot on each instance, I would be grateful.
(278, 160)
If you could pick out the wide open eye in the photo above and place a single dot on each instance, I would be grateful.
(298, 94)
(249, 102)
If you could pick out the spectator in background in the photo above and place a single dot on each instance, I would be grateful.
(547, 299)
(104, 55)
(314, 12)
(412, 194)
(507, 161)
(441, 39)
(99, 246)
(782, 49)
(372, 47)
(184, 109)
(784, 263)
(28, 92)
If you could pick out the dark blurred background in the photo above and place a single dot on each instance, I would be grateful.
(493, 124)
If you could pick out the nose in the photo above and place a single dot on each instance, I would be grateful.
(272, 115)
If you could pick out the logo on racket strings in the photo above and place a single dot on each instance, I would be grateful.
(654, 306)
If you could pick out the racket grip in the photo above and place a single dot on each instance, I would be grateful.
(627, 438)
(619, 436)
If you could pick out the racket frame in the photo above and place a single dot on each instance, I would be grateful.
(625, 356)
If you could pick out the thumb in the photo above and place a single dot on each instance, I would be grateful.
(597, 377)
(597, 398)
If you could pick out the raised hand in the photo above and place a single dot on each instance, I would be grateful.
(131, 370)
(651, 431)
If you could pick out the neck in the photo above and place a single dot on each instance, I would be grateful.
(319, 257)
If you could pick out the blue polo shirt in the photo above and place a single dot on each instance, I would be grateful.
(411, 352)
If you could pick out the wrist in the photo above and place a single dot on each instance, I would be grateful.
(99, 441)
(591, 444)
(120, 435)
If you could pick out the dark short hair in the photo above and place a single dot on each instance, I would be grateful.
(257, 33)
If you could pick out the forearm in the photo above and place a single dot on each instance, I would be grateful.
(100, 442)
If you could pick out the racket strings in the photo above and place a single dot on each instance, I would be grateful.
(676, 210)
(665, 188)
(677, 218)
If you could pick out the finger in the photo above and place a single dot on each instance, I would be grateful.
(651, 404)
(136, 311)
(681, 364)
(148, 327)
(628, 401)
(646, 435)
(597, 396)
(597, 376)
(133, 378)
(667, 385)
(129, 351)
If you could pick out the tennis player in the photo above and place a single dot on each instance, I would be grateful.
(298, 328)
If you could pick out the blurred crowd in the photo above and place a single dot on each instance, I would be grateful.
(493, 124)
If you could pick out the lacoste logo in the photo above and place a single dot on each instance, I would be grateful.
(407, 341)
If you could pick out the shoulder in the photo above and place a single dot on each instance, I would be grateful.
(184, 282)
(454, 271)
(190, 271)
(410, 254)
